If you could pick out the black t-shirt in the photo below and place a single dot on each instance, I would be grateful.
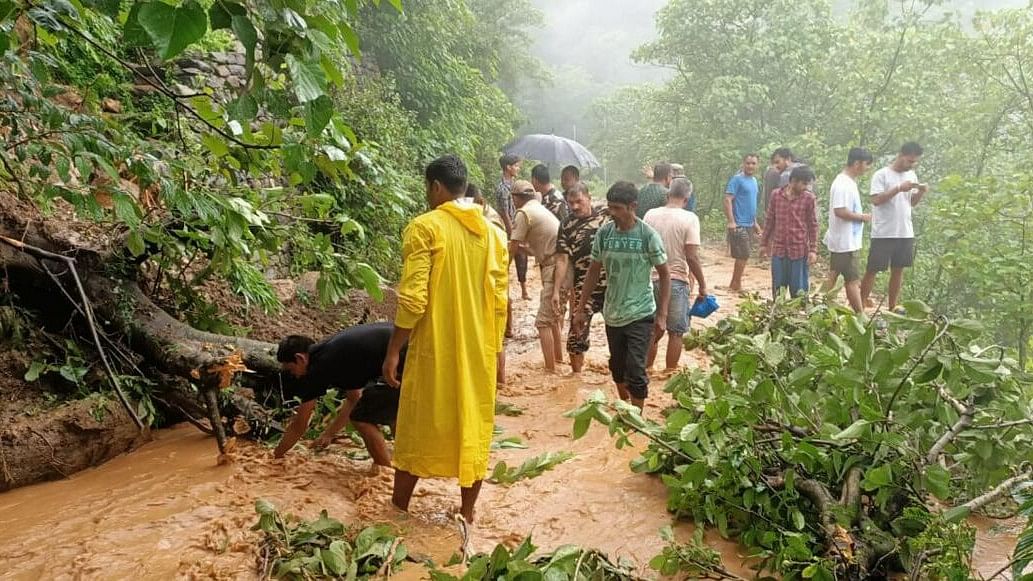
(349, 360)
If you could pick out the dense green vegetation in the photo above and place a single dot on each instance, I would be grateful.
(817, 440)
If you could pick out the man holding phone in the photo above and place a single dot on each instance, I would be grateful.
(895, 191)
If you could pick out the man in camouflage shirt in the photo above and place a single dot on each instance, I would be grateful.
(574, 250)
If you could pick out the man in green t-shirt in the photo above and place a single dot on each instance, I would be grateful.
(629, 249)
(654, 195)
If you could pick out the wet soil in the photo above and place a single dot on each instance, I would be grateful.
(169, 510)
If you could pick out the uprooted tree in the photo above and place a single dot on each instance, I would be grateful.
(110, 215)
(834, 447)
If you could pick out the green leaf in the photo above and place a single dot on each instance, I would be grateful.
(35, 370)
(581, 423)
(371, 281)
(937, 481)
(335, 559)
(317, 115)
(215, 144)
(956, 514)
(854, 430)
(135, 243)
(222, 12)
(307, 77)
(798, 519)
(877, 478)
(264, 507)
(248, 36)
(126, 209)
(172, 29)
(133, 32)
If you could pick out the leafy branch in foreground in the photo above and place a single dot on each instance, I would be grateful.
(567, 563)
(323, 548)
(531, 468)
(816, 440)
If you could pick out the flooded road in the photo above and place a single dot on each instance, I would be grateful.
(168, 510)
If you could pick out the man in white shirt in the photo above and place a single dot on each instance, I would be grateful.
(895, 190)
(844, 237)
(679, 230)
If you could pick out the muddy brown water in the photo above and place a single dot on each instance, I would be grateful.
(169, 510)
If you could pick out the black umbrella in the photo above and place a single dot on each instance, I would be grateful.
(552, 150)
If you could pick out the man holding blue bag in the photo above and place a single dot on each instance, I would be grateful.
(679, 230)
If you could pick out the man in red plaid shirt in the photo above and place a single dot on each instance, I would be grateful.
(791, 233)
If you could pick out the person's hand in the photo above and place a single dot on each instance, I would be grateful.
(732, 226)
(758, 230)
(812, 258)
(390, 370)
(556, 302)
(701, 295)
(905, 186)
(658, 325)
(764, 252)
(922, 188)
(866, 217)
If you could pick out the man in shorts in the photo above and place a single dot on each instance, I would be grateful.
(574, 254)
(846, 227)
(741, 212)
(628, 249)
(895, 191)
(350, 361)
(534, 232)
(679, 230)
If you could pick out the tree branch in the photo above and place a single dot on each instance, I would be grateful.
(1004, 425)
(963, 423)
(998, 491)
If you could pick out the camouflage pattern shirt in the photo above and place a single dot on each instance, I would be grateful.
(575, 240)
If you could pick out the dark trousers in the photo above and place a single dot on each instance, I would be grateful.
(629, 347)
(521, 265)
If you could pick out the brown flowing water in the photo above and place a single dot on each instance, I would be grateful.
(169, 510)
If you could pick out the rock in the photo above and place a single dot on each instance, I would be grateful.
(235, 82)
(222, 70)
(286, 290)
(194, 72)
(307, 283)
(237, 58)
(182, 90)
(221, 57)
(143, 89)
(216, 82)
(238, 71)
(191, 63)
(111, 105)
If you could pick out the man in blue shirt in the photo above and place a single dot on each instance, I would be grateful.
(741, 212)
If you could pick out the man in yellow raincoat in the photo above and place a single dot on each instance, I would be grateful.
(452, 311)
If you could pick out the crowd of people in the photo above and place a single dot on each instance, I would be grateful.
(633, 258)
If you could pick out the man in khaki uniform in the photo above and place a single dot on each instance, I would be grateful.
(534, 232)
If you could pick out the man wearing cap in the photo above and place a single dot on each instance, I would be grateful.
(534, 232)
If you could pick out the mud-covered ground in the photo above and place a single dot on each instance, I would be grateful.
(169, 510)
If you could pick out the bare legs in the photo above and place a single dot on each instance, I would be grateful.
(893, 296)
(852, 288)
(375, 443)
(577, 362)
(672, 359)
(405, 483)
(552, 346)
(740, 267)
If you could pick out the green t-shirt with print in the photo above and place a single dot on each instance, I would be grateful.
(628, 258)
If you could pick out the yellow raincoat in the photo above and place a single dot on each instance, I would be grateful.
(453, 296)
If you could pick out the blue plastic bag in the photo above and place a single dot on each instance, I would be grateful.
(704, 307)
